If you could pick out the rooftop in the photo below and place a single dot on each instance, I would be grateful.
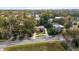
(58, 25)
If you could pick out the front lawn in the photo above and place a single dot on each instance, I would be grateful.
(44, 46)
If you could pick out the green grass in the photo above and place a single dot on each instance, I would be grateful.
(44, 46)
(2, 40)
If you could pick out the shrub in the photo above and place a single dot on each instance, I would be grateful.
(64, 45)
(52, 31)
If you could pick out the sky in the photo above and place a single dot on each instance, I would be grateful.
(39, 4)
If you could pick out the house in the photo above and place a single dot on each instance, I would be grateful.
(50, 20)
(29, 15)
(40, 32)
(77, 18)
(58, 27)
(60, 17)
(37, 17)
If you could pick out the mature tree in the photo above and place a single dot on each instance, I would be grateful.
(3, 26)
(45, 19)
(29, 24)
(74, 33)
(68, 24)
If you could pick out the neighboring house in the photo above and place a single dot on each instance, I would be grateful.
(60, 17)
(58, 27)
(50, 20)
(40, 31)
(29, 15)
(77, 18)
(37, 17)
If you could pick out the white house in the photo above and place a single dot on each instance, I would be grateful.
(58, 27)
(78, 18)
(50, 20)
(60, 17)
(37, 17)
(29, 15)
